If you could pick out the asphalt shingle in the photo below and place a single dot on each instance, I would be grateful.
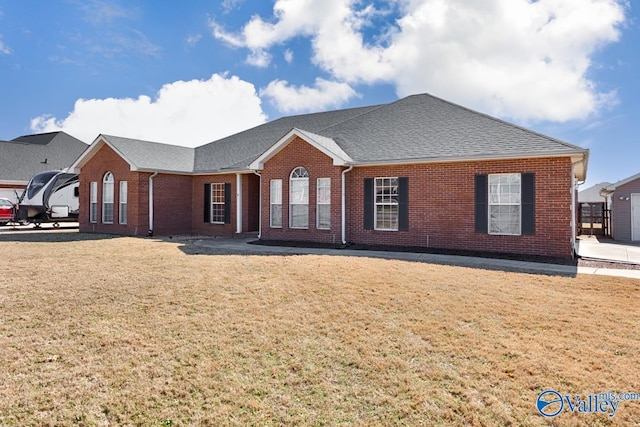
(28, 155)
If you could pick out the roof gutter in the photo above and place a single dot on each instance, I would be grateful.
(150, 232)
(344, 205)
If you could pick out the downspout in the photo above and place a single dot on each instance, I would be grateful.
(150, 232)
(238, 203)
(573, 210)
(259, 205)
(344, 205)
(574, 190)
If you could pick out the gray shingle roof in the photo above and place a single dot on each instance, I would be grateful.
(423, 127)
(415, 128)
(148, 155)
(28, 155)
(238, 151)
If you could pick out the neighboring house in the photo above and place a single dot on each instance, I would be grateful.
(625, 208)
(418, 172)
(25, 156)
(593, 210)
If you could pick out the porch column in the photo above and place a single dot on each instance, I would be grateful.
(238, 203)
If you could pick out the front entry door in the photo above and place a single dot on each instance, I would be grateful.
(635, 217)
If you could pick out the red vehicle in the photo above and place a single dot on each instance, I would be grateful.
(7, 209)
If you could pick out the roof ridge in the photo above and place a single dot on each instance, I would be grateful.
(371, 108)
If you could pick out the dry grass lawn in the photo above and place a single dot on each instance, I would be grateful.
(127, 331)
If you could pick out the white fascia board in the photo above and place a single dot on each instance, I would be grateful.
(224, 172)
(339, 159)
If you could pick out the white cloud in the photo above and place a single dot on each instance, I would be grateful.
(193, 40)
(229, 5)
(522, 59)
(323, 96)
(187, 113)
(4, 49)
(288, 56)
(259, 58)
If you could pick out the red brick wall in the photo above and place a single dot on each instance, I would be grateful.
(172, 195)
(106, 160)
(441, 203)
(172, 198)
(319, 165)
(199, 226)
(441, 207)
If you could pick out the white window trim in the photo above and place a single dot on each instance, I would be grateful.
(278, 182)
(215, 185)
(93, 202)
(376, 204)
(122, 202)
(105, 185)
(291, 204)
(319, 203)
(489, 204)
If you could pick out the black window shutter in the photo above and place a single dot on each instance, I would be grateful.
(528, 203)
(207, 203)
(368, 204)
(481, 202)
(227, 203)
(403, 204)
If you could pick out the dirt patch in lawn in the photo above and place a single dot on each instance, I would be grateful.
(131, 331)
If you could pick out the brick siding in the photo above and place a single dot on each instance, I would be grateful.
(319, 165)
(441, 203)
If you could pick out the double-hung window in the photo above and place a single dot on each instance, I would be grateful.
(107, 198)
(386, 204)
(275, 201)
(299, 198)
(122, 211)
(323, 200)
(217, 203)
(505, 215)
(93, 202)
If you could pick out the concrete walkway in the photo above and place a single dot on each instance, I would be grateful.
(243, 246)
(599, 248)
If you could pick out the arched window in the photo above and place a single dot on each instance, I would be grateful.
(107, 198)
(299, 198)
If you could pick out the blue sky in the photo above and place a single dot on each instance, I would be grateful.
(188, 73)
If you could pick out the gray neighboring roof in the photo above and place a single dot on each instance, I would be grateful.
(592, 194)
(146, 155)
(28, 155)
(612, 187)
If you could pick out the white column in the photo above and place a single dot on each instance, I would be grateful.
(238, 203)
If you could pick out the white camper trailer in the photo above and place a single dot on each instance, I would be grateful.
(50, 196)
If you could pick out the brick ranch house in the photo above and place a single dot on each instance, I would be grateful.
(418, 172)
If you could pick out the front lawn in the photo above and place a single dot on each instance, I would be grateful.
(132, 331)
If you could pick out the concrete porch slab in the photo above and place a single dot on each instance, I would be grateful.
(593, 247)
